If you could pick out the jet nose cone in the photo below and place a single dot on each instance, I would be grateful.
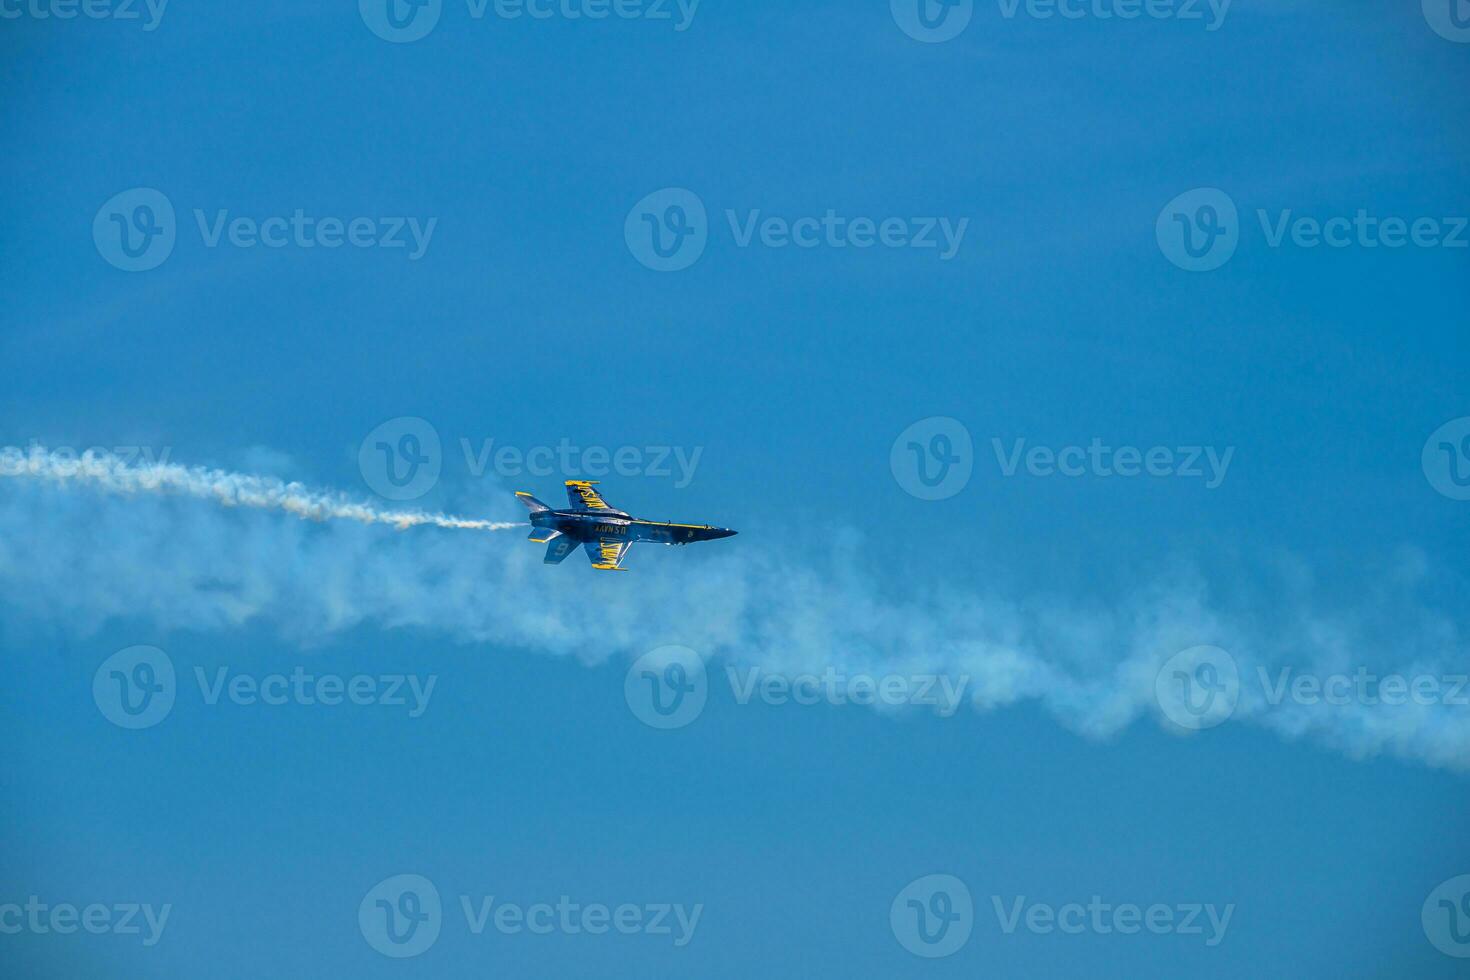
(725, 532)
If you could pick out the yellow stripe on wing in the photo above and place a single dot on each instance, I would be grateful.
(672, 524)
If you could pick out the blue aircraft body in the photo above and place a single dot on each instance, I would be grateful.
(604, 533)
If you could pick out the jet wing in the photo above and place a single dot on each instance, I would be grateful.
(583, 497)
(607, 554)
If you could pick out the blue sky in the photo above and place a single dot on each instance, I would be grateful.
(527, 152)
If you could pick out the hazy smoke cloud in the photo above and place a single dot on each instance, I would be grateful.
(72, 555)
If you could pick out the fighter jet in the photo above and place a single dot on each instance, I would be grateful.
(605, 533)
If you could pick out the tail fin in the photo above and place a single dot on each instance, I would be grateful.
(532, 504)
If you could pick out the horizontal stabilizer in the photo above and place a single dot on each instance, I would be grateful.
(532, 504)
(558, 550)
(541, 535)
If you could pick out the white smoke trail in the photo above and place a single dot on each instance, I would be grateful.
(78, 561)
(110, 472)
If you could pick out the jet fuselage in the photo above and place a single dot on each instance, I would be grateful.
(602, 530)
(585, 526)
